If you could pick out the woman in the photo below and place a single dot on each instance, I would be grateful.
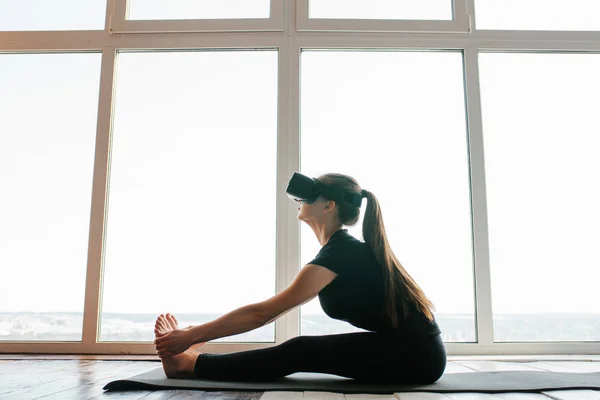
(362, 283)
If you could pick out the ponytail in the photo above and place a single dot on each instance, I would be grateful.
(398, 282)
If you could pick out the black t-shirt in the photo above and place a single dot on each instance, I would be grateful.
(357, 294)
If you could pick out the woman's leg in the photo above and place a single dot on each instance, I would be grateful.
(368, 356)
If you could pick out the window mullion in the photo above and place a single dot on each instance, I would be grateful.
(288, 161)
(460, 9)
(93, 287)
(483, 296)
(470, 12)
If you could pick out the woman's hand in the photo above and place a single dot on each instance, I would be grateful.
(173, 342)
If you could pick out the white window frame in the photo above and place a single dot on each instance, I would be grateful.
(120, 24)
(459, 23)
(290, 41)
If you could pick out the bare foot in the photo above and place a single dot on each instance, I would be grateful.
(179, 365)
(166, 323)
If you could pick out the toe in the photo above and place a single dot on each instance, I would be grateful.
(172, 322)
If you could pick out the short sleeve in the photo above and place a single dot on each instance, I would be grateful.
(329, 258)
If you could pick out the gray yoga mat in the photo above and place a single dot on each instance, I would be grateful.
(485, 382)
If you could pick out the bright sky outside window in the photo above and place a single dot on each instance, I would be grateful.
(557, 15)
(370, 115)
(198, 9)
(381, 9)
(48, 108)
(180, 238)
(540, 125)
(55, 15)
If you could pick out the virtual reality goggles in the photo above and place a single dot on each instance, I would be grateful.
(307, 190)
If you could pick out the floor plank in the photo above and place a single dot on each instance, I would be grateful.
(537, 357)
(47, 379)
(222, 395)
(18, 381)
(421, 396)
(93, 379)
(497, 396)
(370, 397)
(323, 396)
(573, 394)
(128, 395)
(174, 395)
(277, 395)
(165, 394)
(548, 366)
(455, 368)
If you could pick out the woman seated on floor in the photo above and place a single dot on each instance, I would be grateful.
(362, 283)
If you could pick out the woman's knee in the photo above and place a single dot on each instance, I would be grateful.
(296, 345)
(295, 341)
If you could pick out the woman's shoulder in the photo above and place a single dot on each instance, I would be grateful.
(348, 244)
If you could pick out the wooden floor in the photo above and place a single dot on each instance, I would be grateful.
(84, 378)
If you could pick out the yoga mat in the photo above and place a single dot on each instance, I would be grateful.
(485, 382)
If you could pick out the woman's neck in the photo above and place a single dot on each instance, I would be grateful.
(324, 232)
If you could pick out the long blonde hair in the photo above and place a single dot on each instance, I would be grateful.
(397, 280)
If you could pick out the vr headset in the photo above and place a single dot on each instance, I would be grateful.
(307, 190)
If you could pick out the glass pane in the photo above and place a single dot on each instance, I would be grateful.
(191, 218)
(198, 9)
(45, 15)
(48, 108)
(395, 121)
(575, 15)
(381, 9)
(540, 120)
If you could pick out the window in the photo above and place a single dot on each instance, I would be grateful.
(116, 167)
(43, 15)
(540, 124)
(575, 15)
(381, 16)
(381, 9)
(191, 214)
(48, 107)
(391, 120)
(198, 9)
(147, 16)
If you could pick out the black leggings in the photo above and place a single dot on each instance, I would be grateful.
(365, 356)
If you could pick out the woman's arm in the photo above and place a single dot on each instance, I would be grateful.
(307, 284)
(240, 320)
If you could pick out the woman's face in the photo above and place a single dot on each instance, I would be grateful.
(303, 210)
(314, 211)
